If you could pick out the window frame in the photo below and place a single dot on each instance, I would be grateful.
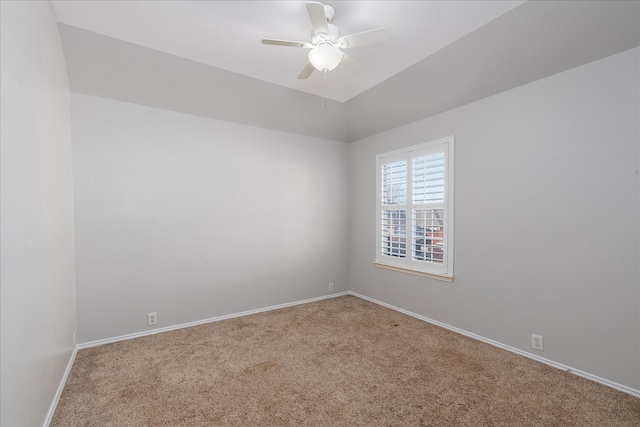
(408, 264)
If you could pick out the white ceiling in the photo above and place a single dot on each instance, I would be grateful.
(227, 34)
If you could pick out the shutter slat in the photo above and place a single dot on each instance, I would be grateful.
(394, 183)
(428, 178)
(427, 242)
(394, 232)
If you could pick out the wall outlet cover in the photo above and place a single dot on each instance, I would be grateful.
(152, 318)
(537, 342)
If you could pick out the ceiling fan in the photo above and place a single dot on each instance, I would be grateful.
(326, 42)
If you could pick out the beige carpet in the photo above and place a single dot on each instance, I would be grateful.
(338, 362)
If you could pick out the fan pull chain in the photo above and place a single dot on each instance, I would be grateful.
(325, 89)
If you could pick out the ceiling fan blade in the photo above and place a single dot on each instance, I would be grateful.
(306, 71)
(318, 17)
(352, 65)
(365, 37)
(287, 43)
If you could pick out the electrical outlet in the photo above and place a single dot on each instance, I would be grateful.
(152, 318)
(331, 287)
(536, 342)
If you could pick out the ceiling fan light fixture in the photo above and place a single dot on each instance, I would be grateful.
(325, 57)
(326, 42)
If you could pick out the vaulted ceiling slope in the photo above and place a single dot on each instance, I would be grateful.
(535, 40)
(228, 34)
(110, 68)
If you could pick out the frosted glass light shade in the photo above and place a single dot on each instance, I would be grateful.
(325, 57)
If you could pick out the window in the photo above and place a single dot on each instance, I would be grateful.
(414, 231)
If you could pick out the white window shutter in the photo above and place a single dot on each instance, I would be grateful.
(415, 208)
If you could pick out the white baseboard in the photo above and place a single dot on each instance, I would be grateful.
(201, 322)
(56, 398)
(81, 346)
(90, 344)
(565, 368)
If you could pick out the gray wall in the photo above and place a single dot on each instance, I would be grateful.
(547, 208)
(194, 218)
(38, 289)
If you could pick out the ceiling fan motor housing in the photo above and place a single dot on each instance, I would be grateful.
(321, 38)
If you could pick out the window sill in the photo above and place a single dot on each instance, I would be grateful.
(443, 277)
